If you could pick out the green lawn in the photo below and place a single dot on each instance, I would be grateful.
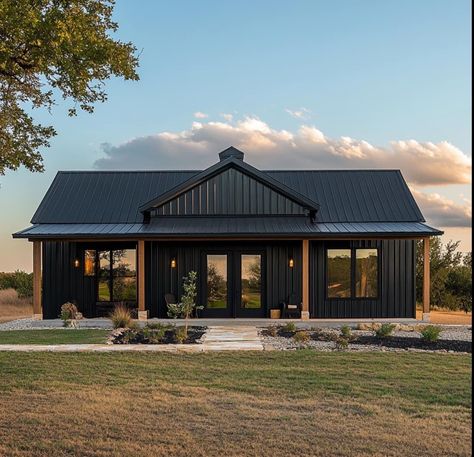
(235, 404)
(56, 336)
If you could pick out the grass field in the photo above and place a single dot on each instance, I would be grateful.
(12, 307)
(56, 336)
(235, 404)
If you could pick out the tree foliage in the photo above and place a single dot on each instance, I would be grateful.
(51, 48)
(451, 275)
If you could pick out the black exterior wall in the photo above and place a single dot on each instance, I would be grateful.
(63, 282)
(397, 291)
(279, 280)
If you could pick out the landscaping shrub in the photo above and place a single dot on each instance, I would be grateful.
(121, 317)
(346, 331)
(301, 337)
(68, 314)
(431, 333)
(385, 330)
(289, 327)
(21, 281)
(272, 330)
(180, 334)
(342, 343)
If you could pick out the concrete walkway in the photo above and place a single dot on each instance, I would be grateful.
(236, 338)
(226, 338)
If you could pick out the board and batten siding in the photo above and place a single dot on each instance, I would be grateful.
(229, 193)
(279, 279)
(397, 292)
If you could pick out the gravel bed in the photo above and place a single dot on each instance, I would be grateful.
(449, 333)
(34, 324)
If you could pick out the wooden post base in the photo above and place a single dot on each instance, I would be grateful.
(142, 315)
(304, 315)
(38, 317)
(426, 317)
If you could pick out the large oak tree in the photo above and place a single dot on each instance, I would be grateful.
(51, 48)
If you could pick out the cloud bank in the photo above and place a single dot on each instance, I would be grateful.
(443, 212)
(422, 163)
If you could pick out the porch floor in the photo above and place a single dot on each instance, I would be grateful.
(215, 322)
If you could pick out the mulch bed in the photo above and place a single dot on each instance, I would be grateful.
(414, 343)
(398, 342)
(169, 336)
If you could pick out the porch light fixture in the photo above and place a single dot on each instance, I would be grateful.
(291, 262)
(173, 263)
(76, 263)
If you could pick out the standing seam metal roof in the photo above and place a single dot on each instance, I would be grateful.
(114, 197)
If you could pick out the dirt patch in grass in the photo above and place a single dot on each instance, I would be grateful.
(12, 307)
(56, 336)
(251, 404)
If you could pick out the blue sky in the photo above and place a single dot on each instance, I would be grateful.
(374, 71)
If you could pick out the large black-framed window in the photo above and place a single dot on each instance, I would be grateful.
(352, 273)
(115, 271)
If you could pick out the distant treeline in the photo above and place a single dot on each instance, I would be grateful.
(451, 275)
(21, 281)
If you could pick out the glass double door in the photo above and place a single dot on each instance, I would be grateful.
(233, 284)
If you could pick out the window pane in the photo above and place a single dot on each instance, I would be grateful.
(104, 276)
(339, 273)
(89, 262)
(366, 273)
(217, 281)
(251, 281)
(124, 275)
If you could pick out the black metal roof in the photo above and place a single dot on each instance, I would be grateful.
(236, 163)
(278, 226)
(107, 197)
(348, 202)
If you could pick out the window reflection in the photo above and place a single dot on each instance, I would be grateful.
(89, 262)
(251, 267)
(104, 276)
(217, 281)
(366, 273)
(117, 275)
(339, 273)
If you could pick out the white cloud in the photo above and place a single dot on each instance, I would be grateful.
(227, 116)
(200, 115)
(443, 212)
(301, 113)
(422, 163)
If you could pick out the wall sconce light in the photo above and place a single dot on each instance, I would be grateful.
(173, 263)
(76, 263)
(291, 262)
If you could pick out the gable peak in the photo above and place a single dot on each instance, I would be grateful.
(231, 153)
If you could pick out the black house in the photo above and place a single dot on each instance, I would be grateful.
(339, 244)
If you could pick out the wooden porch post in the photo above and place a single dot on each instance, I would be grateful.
(426, 279)
(37, 304)
(142, 312)
(305, 272)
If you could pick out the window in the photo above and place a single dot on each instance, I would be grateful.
(89, 262)
(104, 292)
(117, 275)
(251, 280)
(366, 277)
(352, 273)
(217, 281)
(124, 284)
(339, 273)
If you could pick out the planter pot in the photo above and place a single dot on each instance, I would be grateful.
(275, 314)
